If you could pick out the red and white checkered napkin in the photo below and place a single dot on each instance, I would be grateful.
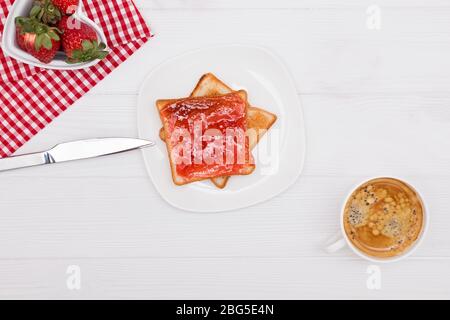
(30, 98)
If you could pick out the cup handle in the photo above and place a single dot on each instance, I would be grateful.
(336, 246)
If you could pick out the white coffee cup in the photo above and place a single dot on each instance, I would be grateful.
(343, 239)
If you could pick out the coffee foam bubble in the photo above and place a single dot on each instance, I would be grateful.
(357, 215)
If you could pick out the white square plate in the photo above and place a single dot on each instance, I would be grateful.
(280, 154)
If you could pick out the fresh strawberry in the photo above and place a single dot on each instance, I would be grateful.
(21, 39)
(67, 7)
(80, 41)
(46, 12)
(38, 39)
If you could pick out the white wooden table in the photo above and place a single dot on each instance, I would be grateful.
(376, 102)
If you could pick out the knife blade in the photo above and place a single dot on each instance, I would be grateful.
(75, 150)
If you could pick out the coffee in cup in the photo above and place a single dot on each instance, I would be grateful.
(383, 218)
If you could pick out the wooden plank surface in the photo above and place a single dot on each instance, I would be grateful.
(223, 278)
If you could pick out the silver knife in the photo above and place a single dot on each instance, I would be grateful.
(76, 150)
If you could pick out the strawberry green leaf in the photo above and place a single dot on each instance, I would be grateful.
(87, 45)
(102, 55)
(20, 21)
(53, 35)
(47, 42)
(35, 11)
(38, 42)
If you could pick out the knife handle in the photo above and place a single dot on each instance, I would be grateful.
(24, 161)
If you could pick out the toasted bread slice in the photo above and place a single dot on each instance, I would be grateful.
(247, 168)
(259, 121)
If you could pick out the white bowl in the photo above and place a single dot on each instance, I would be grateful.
(11, 49)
